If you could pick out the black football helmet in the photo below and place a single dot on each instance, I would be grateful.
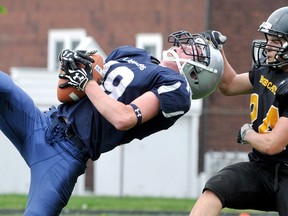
(276, 26)
(204, 69)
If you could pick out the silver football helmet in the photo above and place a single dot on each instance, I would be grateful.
(204, 69)
(277, 26)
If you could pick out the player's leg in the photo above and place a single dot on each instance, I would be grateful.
(55, 167)
(245, 185)
(53, 180)
(207, 204)
(282, 193)
(18, 113)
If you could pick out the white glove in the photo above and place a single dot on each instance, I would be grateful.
(241, 138)
(216, 37)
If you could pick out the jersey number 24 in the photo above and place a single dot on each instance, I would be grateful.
(271, 118)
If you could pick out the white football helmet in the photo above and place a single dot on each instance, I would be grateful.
(205, 68)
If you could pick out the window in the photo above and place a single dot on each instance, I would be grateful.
(151, 42)
(59, 39)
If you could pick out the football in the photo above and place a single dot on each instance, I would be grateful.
(71, 94)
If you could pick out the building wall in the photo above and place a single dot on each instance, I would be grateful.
(112, 23)
(163, 164)
(24, 34)
(239, 21)
(223, 116)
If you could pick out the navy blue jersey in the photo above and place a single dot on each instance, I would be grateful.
(266, 107)
(128, 73)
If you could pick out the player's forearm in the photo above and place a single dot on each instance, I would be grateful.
(227, 77)
(265, 143)
(120, 115)
(232, 83)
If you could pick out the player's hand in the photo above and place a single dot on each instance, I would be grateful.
(216, 37)
(241, 138)
(77, 78)
(70, 58)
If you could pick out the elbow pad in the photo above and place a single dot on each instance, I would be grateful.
(282, 90)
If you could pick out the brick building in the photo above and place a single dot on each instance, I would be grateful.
(239, 21)
(27, 24)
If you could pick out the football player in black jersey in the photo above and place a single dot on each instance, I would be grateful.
(261, 183)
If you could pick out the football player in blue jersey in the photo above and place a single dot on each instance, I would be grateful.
(262, 182)
(138, 96)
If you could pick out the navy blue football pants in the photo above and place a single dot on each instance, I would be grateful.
(55, 166)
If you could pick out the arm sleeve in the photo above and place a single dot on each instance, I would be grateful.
(174, 96)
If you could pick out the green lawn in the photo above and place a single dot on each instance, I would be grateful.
(130, 203)
(11, 204)
(11, 201)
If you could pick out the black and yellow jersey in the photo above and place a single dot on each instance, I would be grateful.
(267, 106)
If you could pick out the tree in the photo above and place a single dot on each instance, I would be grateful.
(3, 9)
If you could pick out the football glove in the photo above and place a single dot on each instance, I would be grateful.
(216, 37)
(243, 132)
(70, 58)
(77, 78)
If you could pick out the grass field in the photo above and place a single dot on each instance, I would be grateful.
(11, 204)
(104, 205)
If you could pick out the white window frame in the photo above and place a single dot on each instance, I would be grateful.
(67, 36)
(150, 39)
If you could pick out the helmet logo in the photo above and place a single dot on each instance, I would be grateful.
(265, 26)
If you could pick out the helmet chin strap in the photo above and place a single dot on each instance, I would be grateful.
(172, 56)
